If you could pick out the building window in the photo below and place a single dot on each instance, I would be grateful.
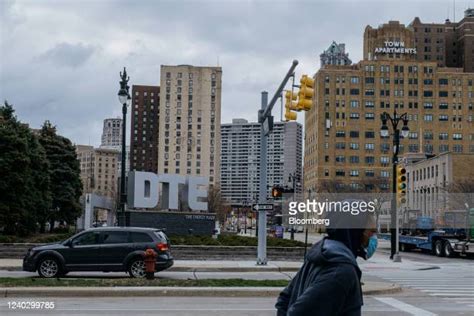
(354, 173)
(355, 80)
(354, 146)
(428, 117)
(354, 159)
(443, 148)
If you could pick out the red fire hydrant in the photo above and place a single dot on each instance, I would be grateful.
(150, 259)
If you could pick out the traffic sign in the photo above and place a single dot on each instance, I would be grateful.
(262, 207)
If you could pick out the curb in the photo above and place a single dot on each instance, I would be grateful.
(166, 291)
(233, 269)
(205, 269)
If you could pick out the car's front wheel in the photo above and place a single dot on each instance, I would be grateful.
(136, 268)
(49, 268)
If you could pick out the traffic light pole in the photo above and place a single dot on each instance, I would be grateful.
(394, 251)
(265, 119)
(394, 229)
(262, 192)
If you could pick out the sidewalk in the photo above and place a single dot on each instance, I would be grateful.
(369, 288)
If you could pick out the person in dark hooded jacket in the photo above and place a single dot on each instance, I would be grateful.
(328, 283)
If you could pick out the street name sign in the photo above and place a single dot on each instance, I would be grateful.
(263, 207)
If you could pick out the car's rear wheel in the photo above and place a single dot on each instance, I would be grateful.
(49, 268)
(136, 268)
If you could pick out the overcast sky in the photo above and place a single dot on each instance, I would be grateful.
(60, 60)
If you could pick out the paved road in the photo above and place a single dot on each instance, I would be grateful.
(450, 283)
(405, 304)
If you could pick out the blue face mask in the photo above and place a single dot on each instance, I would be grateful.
(370, 250)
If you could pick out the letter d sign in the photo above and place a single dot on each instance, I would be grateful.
(142, 189)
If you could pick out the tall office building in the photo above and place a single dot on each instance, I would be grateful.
(98, 170)
(112, 133)
(240, 156)
(144, 125)
(449, 44)
(190, 116)
(112, 139)
(335, 55)
(343, 146)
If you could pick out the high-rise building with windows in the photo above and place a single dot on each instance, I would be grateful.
(98, 170)
(189, 121)
(240, 157)
(112, 139)
(343, 146)
(144, 128)
(112, 133)
(335, 55)
(449, 44)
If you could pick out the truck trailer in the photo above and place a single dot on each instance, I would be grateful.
(456, 238)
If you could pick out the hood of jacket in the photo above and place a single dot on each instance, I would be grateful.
(328, 251)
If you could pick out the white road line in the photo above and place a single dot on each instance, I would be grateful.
(448, 287)
(451, 294)
(446, 290)
(404, 307)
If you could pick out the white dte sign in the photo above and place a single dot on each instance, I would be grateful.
(143, 190)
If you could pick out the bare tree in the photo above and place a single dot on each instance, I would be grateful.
(214, 199)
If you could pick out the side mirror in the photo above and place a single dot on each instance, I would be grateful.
(69, 243)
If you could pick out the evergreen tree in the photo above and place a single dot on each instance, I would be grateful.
(24, 185)
(64, 173)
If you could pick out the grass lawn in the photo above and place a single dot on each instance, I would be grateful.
(22, 282)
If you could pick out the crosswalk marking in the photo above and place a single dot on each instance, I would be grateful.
(449, 283)
(413, 310)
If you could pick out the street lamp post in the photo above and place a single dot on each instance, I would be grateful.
(306, 227)
(125, 100)
(292, 181)
(384, 132)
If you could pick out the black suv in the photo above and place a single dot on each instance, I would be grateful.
(101, 249)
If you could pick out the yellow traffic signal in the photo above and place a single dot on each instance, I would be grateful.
(306, 93)
(290, 105)
(401, 184)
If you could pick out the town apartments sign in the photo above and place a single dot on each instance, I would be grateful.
(391, 47)
(143, 190)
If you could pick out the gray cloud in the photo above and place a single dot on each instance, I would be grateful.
(66, 54)
(60, 60)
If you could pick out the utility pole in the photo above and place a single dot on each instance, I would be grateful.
(265, 119)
